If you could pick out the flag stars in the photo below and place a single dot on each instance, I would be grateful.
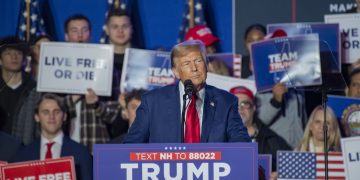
(23, 27)
(123, 6)
(198, 6)
(197, 20)
(33, 17)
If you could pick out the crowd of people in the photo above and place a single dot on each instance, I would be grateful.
(37, 126)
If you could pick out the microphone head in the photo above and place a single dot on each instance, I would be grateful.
(188, 87)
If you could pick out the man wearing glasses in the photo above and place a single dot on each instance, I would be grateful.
(268, 141)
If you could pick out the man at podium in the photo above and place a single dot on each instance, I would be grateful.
(210, 114)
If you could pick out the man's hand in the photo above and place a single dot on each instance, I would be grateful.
(91, 97)
(278, 91)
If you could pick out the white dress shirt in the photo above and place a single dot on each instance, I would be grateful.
(56, 147)
(199, 103)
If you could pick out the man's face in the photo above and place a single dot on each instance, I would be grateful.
(246, 109)
(119, 30)
(50, 117)
(78, 31)
(354, 88)
(11, 60)
(131, 110)
(191, 66)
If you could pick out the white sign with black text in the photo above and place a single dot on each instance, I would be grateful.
(74, 67)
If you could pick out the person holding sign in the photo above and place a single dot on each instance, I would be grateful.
(210, 117)
(88, 115)
(50, 114)
(268, 141)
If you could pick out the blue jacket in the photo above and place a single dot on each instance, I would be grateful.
(158, 118)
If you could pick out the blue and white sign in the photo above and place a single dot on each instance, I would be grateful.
(176, 161)
(294, 61)
(350, 148)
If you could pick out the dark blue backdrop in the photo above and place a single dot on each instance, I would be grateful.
(156, 22)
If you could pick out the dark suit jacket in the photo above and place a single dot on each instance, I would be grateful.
(8, 146)
(82, 158)
(158, 118)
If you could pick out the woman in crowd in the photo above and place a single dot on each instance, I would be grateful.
(253, 33)
(313, 139)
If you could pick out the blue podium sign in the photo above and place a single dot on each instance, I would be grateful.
(176, 161)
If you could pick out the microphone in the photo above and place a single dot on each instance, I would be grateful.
(188, 88)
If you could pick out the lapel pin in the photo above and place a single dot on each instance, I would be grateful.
(212, 104)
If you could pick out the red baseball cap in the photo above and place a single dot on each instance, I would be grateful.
(242, 90)
(202, 33)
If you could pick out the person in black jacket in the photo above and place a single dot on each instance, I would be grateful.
(268, 141)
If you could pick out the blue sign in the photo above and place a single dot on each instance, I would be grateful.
(329, 39)
(340, 103)
(265, 164)
(294, 61)
(177, 161)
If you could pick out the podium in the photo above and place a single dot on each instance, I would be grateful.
(177, 161)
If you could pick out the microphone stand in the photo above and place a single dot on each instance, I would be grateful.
(183, 118)
(325, 129)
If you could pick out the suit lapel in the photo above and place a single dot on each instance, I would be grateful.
(208, 114)
(64, 148)
(173, 110)
(36, 152)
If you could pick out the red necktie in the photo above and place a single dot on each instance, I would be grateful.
(192, 126)
(48, 154)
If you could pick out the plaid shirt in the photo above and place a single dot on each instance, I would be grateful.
(93, 120)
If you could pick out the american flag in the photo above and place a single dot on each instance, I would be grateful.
(112, 5)
(36, 23)
(198, 18)
(306, 165)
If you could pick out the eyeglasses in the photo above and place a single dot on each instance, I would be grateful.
(245, 105)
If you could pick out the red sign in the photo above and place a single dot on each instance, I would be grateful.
(61, 168)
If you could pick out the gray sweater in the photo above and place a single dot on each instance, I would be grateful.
(287, 119)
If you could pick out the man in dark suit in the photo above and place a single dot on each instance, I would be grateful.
(12, 144)
(50, 114)
(158, 119)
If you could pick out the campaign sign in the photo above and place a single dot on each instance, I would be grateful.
(226, 82)
(74, 67)
(146, 69)
(176, 161)
(294, 61)
(225, 63)
(265, 164)
(347, 111)
(61, 168)
(350, 148)
(350, 35)
(329, 40)
(149, 69)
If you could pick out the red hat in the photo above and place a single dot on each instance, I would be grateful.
(202, 33)
(277, 33)
(242, 90)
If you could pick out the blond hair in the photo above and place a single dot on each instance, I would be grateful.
(334, 135)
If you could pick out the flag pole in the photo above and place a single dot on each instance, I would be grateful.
(27, 19)
(191, 13)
